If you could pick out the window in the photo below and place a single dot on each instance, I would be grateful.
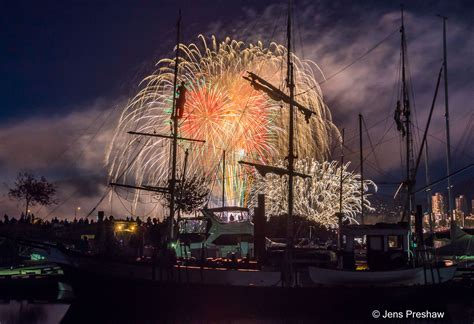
(376, 243)
(395, 242)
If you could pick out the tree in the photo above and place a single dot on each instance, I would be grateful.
(190, 194)
(32, 191)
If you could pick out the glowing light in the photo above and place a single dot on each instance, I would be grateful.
(224, 110)
(316, 198)
(448, 263)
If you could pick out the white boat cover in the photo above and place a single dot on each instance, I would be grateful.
(462, 244)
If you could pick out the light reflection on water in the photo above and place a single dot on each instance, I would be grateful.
(31, 312)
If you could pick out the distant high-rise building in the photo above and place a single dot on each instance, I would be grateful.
(437, 205)
(461, 210)
(461, 204)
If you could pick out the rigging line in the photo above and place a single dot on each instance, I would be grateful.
(77, 160)
(298, 28)
(466, 135)
(411, 94)
(369, 128)
(468, 139)
(74, 141)
(381, 172)
(121, 175)
(395, 90)
(147, 215)
(372, 148)
(124, 207)
(378, 143)
(351, 64)
(401, 153)
(454, 148)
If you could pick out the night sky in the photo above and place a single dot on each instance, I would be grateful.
(68, 68)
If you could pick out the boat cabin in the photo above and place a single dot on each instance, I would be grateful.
(218, 233)
(386, 245)
(230, 214)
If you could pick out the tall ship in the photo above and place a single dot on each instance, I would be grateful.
(228, 246)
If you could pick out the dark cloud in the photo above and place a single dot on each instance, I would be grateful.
(69, 150)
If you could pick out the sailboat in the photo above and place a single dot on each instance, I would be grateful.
(164, 268)
(388, 245)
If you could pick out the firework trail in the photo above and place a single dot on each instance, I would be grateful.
(224, 110)
(316, 198)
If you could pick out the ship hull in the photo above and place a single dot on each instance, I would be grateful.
(394, 278)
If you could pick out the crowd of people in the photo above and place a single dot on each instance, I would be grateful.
(104, 235)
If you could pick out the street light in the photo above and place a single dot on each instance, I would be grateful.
(76, 210)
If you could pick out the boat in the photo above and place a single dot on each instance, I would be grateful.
(25, 272)
(394, 257)
(389, 252)
(391, 278)
(219, 232)
(217, 238)
(387, 255)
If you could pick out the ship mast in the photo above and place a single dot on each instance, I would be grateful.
(405, 111)
(223, 178)
(174, 143)
(291, 156)
(446, 115)
(276, 94)
(340, 215)
(361, 171)
(175, 116)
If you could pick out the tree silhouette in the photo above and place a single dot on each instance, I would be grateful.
(190, 194)
(32, 191)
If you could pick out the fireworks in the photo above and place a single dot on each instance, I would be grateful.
(316, 198)
(224, 110)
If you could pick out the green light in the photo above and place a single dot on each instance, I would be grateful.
(36, 257)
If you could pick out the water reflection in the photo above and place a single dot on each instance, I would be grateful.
(31, 312)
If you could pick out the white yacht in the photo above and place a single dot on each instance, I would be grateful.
(218, 233)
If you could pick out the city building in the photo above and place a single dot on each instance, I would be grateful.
(461, 204)
(437, 206)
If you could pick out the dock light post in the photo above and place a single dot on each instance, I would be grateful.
(76, 210)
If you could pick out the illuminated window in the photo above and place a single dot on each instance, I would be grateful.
(394, 242)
